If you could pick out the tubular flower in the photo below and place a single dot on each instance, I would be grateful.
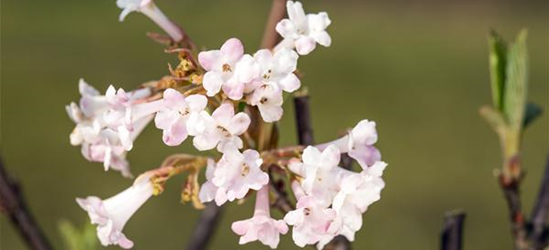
(112, 214)
(149, 9)
(261, 226)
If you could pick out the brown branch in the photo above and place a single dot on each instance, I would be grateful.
(270, 36)
(452, 231)
(540, 212)
(511, 192)
(15, 207)
(303, 119)
(206, 225)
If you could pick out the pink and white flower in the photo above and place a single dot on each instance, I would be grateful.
(180, 116)
(278, 67)
(222, 129)
(261, 226)
(107, 126)
(149, 8)
(302, 31)
(320, 172)
(112, 214)
(359, 144)
(236, 173)
(208, 191)
(357, 192)
(268, 99)
(221, 65)
(313, 222)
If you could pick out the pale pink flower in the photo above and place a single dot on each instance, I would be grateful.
(149, 8)
(313, 222)
(237, 173)
(278, 68)
(112, 214)
(245, 78)
(208, 191)
(261, 226)
(359, 144)
(220, 66)
(179, 116)
(222, 129)
(268, 99)
(302, 31)
(357, 192)
(320, 172)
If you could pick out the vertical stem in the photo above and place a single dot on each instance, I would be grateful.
(14, 205)
(270, 36)
(303, 119)
(205, 227)
(452, 231)
(540, 212)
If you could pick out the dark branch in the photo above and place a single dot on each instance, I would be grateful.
(452, 231)
(15, 207)
(205, 227)
(510, 189)
(541, 211)
(303, 120)
(270, 36)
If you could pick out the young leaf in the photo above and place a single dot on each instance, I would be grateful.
(498, 60)
(533, 111)
(516, 83)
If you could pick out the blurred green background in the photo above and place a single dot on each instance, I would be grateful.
(418, 68)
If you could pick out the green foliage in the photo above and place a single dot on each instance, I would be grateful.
(516, 84)
(498, 54)
(78, 238)
(509, 82)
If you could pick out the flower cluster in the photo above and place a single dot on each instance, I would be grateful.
(225, 100)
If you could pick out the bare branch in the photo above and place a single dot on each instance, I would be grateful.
(452, 231)
(540, 211)
(303, 119)
(206, 225)
(15, 207)
(270, 36)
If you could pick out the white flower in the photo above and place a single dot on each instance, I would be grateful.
(222, 129)
(357, 192)
(180, 116)
(237, 173)
(208, 191)
(107, 126)
(313, 223)
(112, 214)
(278, 68)
(261, 226)
(268, 99)
(220, 66)
(149, 8)
(320, 172)
(303, 31)
(359, 143)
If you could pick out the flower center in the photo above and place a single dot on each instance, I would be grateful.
(267, 75)
(227, 68)
(307, 211)
(263, 100)
(224, 131)
(184, 112)
(245, 170)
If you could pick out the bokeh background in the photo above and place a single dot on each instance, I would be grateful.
(418, 68)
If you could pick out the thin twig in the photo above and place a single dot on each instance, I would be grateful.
(205, 227)
(14, 205)
(270, 36)
(452, 231)
(511, 191)
(540, 212)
